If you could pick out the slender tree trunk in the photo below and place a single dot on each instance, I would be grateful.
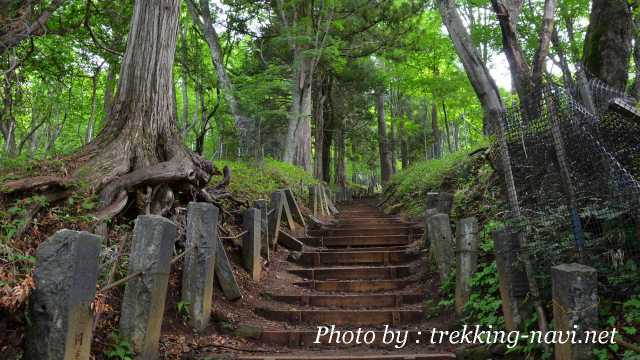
(341, 177)
(246, 127)
(435, 131)
(393, 139)
(109, 87)
(446, 127)
(385, 157)
(94, 105)
(404, 146)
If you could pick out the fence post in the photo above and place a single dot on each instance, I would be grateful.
(442, 243)
(199, 264)
(313, 199)
(60, 316)
(251, 243)
(277, 204)
(512, 278)
(144, 296)
(428, 243)
(575, 308)
(441, 201)
(467, 251)
(294, 208)
(263, 206)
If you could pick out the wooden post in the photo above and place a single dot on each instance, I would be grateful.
(251, 243)
(263, 206)
(277, 204)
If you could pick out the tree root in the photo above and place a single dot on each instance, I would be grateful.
(35, 182)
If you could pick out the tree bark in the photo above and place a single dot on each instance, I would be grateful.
(607, 46)
(435, 132)
(94, 105)
(24, 28)
(140, 141)
(385, 157)
(477, 72)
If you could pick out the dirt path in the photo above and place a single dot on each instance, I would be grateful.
(360, 274)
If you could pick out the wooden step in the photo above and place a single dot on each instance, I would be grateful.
(355, 241)
(319, 258)
(354, 273)
(349, 301)
(364, 231)
(367, 248)
(343, 317)
(359, 286)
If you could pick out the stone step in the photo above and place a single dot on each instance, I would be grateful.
(354, 273)
(343, 317)
(349, 301)
(319, 258)
(358, 286)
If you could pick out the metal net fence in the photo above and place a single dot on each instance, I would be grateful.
(575, 159)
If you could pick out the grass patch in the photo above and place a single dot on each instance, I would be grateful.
(251, 182)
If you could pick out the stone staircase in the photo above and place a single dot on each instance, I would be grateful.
(360, 271)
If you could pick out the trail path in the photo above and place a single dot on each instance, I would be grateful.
(364, 270)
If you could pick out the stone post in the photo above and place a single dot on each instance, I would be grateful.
(467, 256)
(427, 241)
(199, 264)
(59, 308)
(442, 201)
(144, 296)
(251, 243)
(575, 308)
(277, 204)
(514, 286)
(442, 243)
(263, 206)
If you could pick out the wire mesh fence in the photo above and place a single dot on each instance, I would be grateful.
(575, 159)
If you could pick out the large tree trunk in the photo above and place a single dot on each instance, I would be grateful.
(298, 141)
(385, 157)
(246, 127)
(607, 46)
(140, 144)
(320, 125)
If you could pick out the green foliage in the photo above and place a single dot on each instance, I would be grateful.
(119, 348)
(410, 186)
(252, 182)
(182, 307)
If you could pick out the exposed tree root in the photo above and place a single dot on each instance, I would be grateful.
(32, 183)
